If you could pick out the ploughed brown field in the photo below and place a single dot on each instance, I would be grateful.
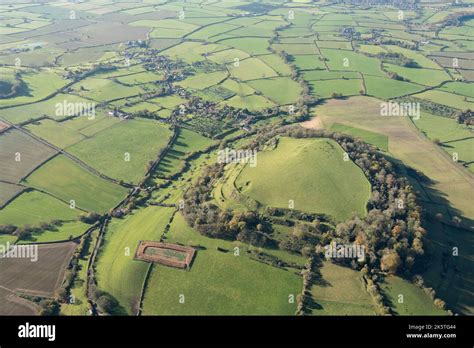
(40, 278)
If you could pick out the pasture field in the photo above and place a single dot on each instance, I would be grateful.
(251, 69)
(427, 77)
(415, 301)
(40, 278)
(88, 126)
(139, 78)
(452, 136)
(340, 292)
(281, 90)
(37, 89)
(47, 108)
(327, 88)
(329, 192)
(33, 208)
(276, 63)
(186, 142)
(228, 56)
(142, 106)
(376, 139)
(7, 238)
(294, 49)
(453, 100)
(251, 102)
(240, 88)
(420, 59)
(117, 272)
(352, 61)
(191, 52)
(463, 88)
(308, 62)
(386, 88)
(315, 75)
(55, 133)
(253, 46)
(20, 154)
(65, 232)
(168, 102)
(202, 81)
(104, 89)
(218, 282)
(107, 151)
(72, 182)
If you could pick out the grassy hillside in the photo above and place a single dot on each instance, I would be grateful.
(336, 187)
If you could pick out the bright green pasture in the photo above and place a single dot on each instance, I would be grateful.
(218, 283)
(315, 176)
(124, 150)
(69, 181)
(117, 272)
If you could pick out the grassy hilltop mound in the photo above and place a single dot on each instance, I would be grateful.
(310, 172)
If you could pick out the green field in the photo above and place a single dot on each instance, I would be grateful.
(281, 90)
(218, 282)
(72, 182)
(452, 136)
(376, 139)
(48, 108)
(117, 272)
(33, 208)
(292, 162)
(414, 302)
(64, 232)
(7, 238)
(55, 133)
(186, 142)
(340, 292)
(453, 100)
(202, 81)
(386, 88)
(107, 151)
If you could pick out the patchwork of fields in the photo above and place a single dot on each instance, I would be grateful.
(112, 113)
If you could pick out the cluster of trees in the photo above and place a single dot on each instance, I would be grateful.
(64, 291)
(210, 220)
(9, 88)
(398, 59)
(90, 218)
(465, 117)
(303, 238)
(371, 285)
(25, 231)
(310, 273)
